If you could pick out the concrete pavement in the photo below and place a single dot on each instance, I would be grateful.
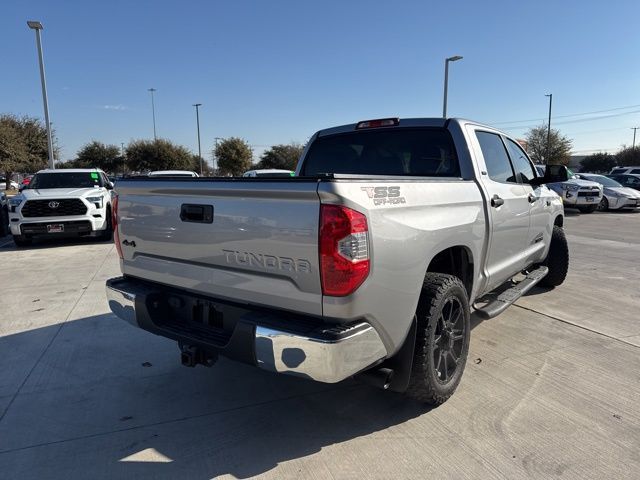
(551, 387)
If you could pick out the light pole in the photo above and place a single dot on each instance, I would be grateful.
(446, 81)
(198, 105)
(546, 157)
(153, 112)
(215, 158)
(124, 161)
(634, 136)
(37, 26)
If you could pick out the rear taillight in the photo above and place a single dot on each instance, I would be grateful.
(114, 223)
(344, 250)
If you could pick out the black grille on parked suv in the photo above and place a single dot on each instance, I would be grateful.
(54, 208)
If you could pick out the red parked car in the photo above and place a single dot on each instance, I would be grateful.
(25, 182)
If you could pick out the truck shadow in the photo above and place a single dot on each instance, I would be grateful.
(110, 401)
(41, 244)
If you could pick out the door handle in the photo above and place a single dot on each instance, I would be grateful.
(496, 201)
(532, 198)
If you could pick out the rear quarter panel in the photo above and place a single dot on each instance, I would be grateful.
(431, 216)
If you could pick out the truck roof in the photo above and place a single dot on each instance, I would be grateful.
(404, 122)
(69, 170)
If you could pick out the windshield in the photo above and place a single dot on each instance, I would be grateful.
(602, 180)
(66, 180)
(397, 151)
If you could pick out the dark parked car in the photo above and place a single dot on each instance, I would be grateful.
(627, 180)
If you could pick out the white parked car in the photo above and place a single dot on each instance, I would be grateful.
(173, 173)
(619, 170)
(584, 195)
(269, 172)
(615, 196)
(12, 185)
(63, 202)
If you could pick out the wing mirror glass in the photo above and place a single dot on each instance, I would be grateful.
(552, 174)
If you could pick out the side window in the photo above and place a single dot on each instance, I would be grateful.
(495, 157)
(633, 181)
(521, 164)
(635, 170)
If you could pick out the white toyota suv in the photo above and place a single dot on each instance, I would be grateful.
(63, 202)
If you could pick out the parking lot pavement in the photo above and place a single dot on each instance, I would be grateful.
(551, 387)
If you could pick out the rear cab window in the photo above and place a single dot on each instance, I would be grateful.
(428, 152)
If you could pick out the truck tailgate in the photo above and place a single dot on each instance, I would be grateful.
(249, 241)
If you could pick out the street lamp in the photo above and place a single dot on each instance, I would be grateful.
(197, 105)
(634, 136)
(124, 160)
(37, 26)
(215, 157)
(153, 112)
(546, 159)
(446, 81)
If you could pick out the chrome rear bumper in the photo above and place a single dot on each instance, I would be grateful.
(326, 355)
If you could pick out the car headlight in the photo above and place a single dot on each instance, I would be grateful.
(97, 201)
(15, 202)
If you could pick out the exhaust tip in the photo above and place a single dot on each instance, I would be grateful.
(377, 377)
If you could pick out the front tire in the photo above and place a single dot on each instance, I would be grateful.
(557, 260)
(442, 339)
(603, 206)
(22, 241)
(107, 233)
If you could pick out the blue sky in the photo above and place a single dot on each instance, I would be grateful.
(276, 71)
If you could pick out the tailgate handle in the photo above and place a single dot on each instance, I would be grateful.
(190, 212)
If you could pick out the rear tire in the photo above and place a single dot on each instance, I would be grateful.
(22, 241)
(442, 339)
(557, 260)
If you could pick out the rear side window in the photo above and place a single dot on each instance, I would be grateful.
(397, 151)
(635, 170)
(495, 158)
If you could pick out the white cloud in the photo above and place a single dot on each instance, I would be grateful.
(114, 107)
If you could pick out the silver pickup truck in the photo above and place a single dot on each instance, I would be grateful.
(367, 263)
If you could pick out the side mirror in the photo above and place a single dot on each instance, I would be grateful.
(552, 174)
(109, 186)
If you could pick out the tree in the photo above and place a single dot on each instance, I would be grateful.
(234, 156)
(12, 149)
(598, 162)
(98, 155)
(23, 145)
(284, 157)
(628, 156)
(161, 154)
(559, 146)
